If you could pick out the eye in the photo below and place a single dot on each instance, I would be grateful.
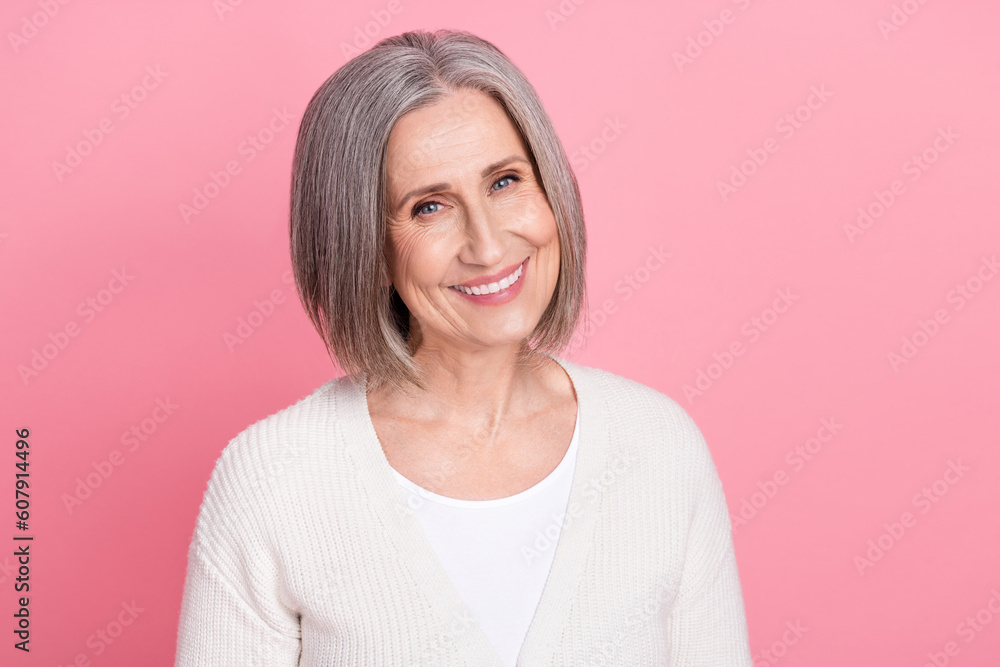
(504, 183)
(513, 178)
(419, 208)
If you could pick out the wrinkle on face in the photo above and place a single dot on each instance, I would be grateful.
(476, 230)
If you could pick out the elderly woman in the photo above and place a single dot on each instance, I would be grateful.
(462, 496)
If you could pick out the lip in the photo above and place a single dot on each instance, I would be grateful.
(497, 298)
(493, 277)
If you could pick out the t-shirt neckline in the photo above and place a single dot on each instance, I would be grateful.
(491, 503)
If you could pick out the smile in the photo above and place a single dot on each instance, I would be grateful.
(494, 287)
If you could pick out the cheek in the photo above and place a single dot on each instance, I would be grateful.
(413, 255)
(546, 231)
(533, 219)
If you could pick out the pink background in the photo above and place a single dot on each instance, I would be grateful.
(662, 134)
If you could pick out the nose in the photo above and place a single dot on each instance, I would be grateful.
(484, 237)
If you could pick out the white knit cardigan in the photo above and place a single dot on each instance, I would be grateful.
(305, 552)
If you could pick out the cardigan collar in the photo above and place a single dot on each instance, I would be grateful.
(388, 501)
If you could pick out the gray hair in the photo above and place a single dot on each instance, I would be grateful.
(338, 199)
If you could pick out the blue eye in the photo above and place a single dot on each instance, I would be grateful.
(419, 208)
(506, 177)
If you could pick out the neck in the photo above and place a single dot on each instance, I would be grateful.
(470, 385)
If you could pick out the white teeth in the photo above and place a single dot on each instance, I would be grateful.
(493, 288)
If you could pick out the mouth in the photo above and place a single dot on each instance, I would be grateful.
(501, 286)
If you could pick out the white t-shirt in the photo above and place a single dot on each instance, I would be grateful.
(497, 553)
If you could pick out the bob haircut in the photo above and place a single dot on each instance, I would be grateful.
(338, 199)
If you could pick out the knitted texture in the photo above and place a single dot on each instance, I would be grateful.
(305, 551)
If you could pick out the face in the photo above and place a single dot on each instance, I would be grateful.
(472, 244)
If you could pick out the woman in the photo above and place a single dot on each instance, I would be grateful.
(462, 496)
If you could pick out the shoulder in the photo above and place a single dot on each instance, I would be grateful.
(647, 423)
(637, 405)
(257, 461)
(286, 431)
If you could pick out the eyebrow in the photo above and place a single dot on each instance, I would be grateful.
(434, 187)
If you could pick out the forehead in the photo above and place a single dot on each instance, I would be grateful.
(464, 129)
